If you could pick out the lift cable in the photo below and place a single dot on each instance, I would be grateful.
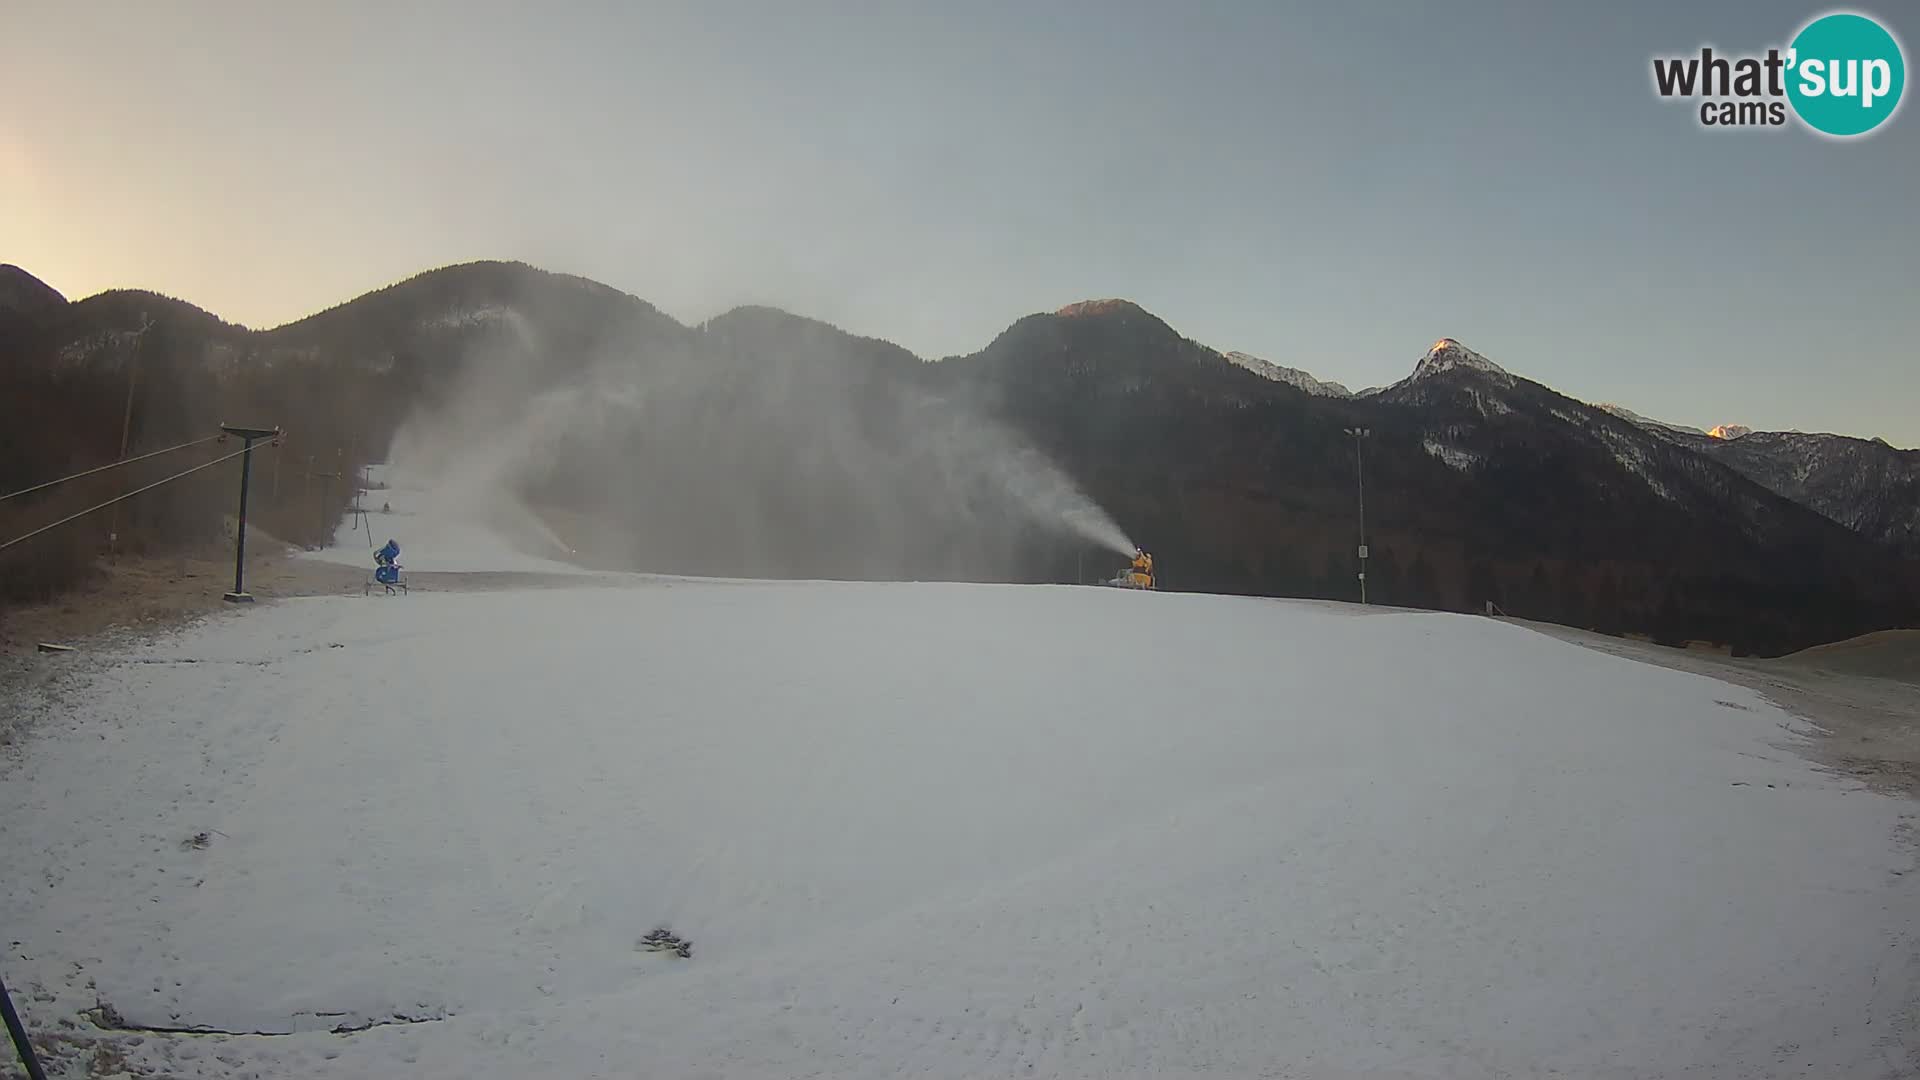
(104, 468)
(128, 495)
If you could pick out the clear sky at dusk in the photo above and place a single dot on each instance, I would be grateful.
(1328, 186)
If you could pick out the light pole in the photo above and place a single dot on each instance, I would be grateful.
(1360, 487)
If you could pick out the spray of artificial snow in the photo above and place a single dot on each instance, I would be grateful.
(679, 462)
(461, 459)
(1092, 523)
(1050, 497)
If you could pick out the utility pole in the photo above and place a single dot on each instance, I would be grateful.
(326, 496)
(239, 595)
(126, 425)
(1360, 486)
(356, 513)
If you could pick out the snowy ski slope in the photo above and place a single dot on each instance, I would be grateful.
(440, 531)
(944, 830)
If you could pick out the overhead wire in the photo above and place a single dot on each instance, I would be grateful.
(128, 495)
(104, 468)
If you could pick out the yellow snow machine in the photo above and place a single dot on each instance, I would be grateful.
(1137, 576)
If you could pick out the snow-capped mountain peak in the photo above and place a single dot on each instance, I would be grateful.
(1649, 422)
(1291, 376)
(1449, 355)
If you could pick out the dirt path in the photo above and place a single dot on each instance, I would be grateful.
(1870, 724)
(143, 594)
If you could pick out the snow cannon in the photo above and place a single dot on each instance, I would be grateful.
(1137, 576)
(386, 570)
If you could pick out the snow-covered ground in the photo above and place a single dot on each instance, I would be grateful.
(439, 529)
(943, 830)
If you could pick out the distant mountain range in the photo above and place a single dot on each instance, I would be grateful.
(764, 443)
(1864, 484)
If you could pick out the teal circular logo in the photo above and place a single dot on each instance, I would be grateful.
(1845, 73)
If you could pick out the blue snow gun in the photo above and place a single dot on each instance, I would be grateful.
(386, 566)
